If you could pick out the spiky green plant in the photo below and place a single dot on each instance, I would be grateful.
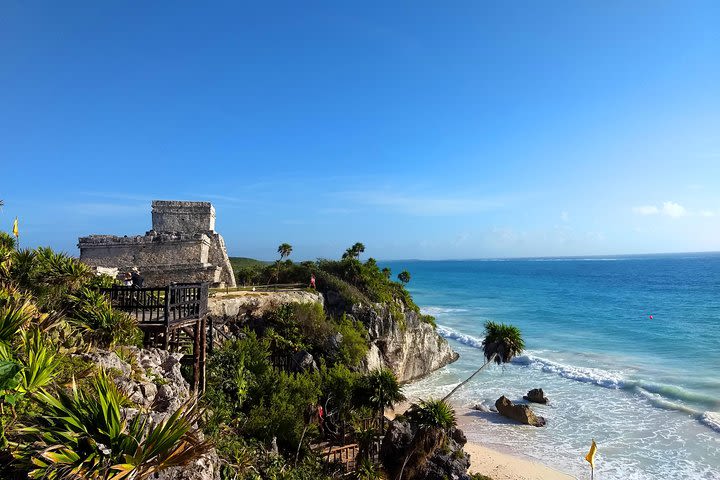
(15, 314)
(86, 434)
(102, 325)
(39, 363)
(432, 421)
(384, 391)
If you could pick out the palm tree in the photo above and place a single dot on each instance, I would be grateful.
(383, 391)
(404, 277)
(502, 343)
(354, 251)
(432, 421)
(285, 249)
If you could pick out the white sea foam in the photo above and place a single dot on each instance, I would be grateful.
(659, 395)
(448, 332)
(710, 419)
(440, 310)
(596, 376)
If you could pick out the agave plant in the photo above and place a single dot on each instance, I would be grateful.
(15, 314)
(39, 363)
(87, 434)
(101, 324)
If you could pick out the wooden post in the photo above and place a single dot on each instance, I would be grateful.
(203, 352)
(211, 330)
(167, 317)
(196, 356)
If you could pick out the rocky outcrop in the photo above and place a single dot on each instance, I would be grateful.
(520, 413)
(403, 342)
(399, 339)
(447, 461)
(536, 395)
(153, 381)
(238, 306)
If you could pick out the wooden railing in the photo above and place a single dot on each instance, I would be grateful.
(347, 456)
(168, 305)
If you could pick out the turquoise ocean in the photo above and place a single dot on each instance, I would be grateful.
(646, 389)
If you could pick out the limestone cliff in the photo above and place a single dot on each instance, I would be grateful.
(399, 338)
(404, 343)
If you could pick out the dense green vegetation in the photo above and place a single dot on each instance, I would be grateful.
(60, 417)
(349, 280)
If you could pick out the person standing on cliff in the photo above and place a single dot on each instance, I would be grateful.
(312, 281)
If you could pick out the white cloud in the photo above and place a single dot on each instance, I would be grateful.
(646, 210)
(565, 217)
(672, 209)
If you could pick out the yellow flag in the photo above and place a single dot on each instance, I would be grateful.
(16, 232)
(590, 457)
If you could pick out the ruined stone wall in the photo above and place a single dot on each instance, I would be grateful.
(184, 217)
(152, 249)
(182, 247)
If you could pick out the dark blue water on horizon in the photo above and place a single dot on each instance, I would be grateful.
(647, 389)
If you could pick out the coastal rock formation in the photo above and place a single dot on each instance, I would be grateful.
(536, 395)
(520, 413)
(446, 462)
(400, 341)
(152, 380)
(404, 343)
(182, 246)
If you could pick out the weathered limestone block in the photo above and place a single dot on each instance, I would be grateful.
(185, 217)
(182, 247)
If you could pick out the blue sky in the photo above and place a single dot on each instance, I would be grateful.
(422, 129)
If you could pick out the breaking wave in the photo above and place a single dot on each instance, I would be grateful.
(659, 395)
(448, 332)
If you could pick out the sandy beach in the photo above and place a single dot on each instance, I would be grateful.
(493, 463)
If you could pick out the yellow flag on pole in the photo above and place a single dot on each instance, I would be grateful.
(590, 457)
(16, 232)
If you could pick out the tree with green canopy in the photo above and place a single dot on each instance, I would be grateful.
(502, 343)
(285, 249)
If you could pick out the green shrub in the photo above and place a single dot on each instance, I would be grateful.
(284, 408)
(355, 343)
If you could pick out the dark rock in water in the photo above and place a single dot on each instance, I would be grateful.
(521, 413)
(448, 461)
(536, 395)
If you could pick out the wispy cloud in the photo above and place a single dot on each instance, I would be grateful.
(673, 210)
(564, 216)
(429, 205)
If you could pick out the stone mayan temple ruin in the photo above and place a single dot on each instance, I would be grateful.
(182, 247)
